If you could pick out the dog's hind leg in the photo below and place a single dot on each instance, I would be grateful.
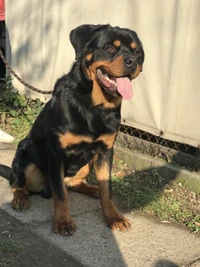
(20, 200)
(17, 178)
(76, 183)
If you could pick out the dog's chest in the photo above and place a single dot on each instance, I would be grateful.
(79, 150)
(87, 137)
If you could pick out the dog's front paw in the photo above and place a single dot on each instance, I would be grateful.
(64, 227)
(20, 201)
(118, 222)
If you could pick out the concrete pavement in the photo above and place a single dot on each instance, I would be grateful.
(147, 244)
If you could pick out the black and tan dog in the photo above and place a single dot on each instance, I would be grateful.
(78, 126)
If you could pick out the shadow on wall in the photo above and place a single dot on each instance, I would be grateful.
(34, 56)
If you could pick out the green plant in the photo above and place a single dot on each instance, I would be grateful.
(9, 252)
(10, 246)
(16, 110)
(192, 222)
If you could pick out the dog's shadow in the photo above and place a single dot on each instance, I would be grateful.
(93, 243)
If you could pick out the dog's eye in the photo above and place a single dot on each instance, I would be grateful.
(110, 48)
(136, 52)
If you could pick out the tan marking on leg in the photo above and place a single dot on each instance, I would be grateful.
(20, 200)
(35, 180)
(20, 189)
(69, 139)
(63, 224)
(90, 190)
(76, 182)
(114, 219)
(80, 175)
(103, 174)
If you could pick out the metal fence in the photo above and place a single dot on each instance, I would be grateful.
(143, 142)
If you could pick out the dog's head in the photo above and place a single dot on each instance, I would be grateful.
(110, 56)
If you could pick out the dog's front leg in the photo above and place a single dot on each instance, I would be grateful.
(103, 166)
(63, 224)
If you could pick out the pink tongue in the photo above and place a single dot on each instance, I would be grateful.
(124, 87)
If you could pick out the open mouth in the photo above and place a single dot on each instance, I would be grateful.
(106, 80)
(114, 85)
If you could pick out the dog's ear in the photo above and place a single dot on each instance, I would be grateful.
(82, 35)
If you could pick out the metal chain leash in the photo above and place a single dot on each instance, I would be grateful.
(22, 81)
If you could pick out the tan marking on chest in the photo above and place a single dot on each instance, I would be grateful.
(108, 139)
(70, 139)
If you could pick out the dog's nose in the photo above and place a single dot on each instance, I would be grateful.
(129, 62)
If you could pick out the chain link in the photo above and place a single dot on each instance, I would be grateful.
(156, 146)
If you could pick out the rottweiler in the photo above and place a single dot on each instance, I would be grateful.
(77, 128)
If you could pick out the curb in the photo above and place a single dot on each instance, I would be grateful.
(168, 171)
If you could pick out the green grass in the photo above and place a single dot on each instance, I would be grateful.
(9, 253)
(149, 194)
(17, 113)
(134, 193)
(174, 207)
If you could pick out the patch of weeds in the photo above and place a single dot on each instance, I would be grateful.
(12, 262)
(17, 112)
(135, 193)
(164, 208)
(8, 245)
(193, 222)
(148, 193)
(9, 253)
(135, 189)
(176, 204)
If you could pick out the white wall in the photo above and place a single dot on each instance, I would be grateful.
(166, 94)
